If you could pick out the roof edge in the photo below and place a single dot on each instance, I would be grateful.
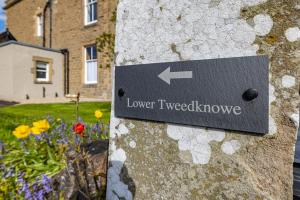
(10, 3)
(29, 45)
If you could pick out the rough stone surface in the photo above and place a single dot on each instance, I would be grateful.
(179, 162)
(85, 175)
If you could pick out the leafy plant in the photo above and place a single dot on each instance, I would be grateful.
(28, 162)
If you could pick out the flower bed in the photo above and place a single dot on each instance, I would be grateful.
(30, 163)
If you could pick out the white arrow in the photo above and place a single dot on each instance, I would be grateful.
(167, 75)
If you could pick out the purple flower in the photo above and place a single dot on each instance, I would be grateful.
(105, 132)
(38, 137)
(39, 194)
(28, 193)
(24, 188)
(62, 141)
(46, 183)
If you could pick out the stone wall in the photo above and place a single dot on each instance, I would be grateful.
(69, 32)
(164, 161)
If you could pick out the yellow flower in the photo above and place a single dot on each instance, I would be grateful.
(40, 127)
(58, 119)
(98, 114)
(21, 131)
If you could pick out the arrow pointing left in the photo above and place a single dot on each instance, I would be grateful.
(167, 75)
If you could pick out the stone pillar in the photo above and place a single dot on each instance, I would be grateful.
(155, 161)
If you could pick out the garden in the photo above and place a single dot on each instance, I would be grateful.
(54, 151)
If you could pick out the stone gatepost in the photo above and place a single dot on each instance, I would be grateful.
(150, 160)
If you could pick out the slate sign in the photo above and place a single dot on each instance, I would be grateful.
(229, 93)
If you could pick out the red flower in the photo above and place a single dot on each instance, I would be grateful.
(79, 129)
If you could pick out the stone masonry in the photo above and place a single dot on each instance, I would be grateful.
(157, 161)
(68, 31)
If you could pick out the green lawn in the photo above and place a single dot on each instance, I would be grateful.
(12, 116)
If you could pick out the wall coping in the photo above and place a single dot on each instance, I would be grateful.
(29, 45)
(10, 3)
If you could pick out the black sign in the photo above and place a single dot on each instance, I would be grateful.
(229, 93)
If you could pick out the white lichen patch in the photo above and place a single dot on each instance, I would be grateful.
(195, 140)
(122, 129)
(295, 118)
(272, 126)
(116, 189)
(230, 147)
(253, 2)
(292, 34)
(272, 98)
(131, 126)
(288, 81)
(114, 122)
(263, 24)
(271, 93)
(117, 128)
(132, 144)
(173, 30)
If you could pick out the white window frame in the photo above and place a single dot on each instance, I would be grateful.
(47, 71)
(39, 25)
(86, 7)
(85, 65)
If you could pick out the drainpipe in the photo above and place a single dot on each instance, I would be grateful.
(50, 21)
(65, 52)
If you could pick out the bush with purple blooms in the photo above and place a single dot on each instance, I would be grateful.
(28, 163)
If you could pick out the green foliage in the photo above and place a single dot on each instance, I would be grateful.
(114, 16)
(106, 44)
(66, 111)
(30, 157)
(43, 154)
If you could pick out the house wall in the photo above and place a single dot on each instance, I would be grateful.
(68, 31)
(21, 76)
(6, 79)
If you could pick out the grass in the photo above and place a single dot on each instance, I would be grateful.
(12, 116)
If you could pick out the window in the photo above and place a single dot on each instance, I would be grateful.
(39, 25)
(91, 64)
(90, 11)
(42, 71)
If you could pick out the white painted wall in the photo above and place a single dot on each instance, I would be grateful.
(16, 78)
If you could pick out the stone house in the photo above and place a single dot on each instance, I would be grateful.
(71, 26)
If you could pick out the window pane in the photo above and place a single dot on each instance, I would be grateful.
(88, 53)
(41, 65)
(91, 11)
(90, 14)
(91, 53)
(91, 71)
(94, 11)
(41, 70)
(41, 75)
(39, 25)
(94, 52)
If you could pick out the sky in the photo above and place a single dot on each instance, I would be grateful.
(2, 16)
